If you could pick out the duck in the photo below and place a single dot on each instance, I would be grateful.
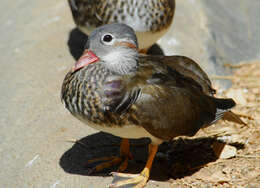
(150, 19)
(115, 89)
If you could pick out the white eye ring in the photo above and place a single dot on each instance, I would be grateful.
(108, 39)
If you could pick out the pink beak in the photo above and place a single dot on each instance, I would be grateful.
(87, 58)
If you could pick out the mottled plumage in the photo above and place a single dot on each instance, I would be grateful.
(149, 18)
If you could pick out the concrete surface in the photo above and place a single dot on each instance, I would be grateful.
(35, 127)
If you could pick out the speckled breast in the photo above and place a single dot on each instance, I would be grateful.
(82, 96)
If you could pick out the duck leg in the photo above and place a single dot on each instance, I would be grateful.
(125, 155)
(143, 51)
(139, 179)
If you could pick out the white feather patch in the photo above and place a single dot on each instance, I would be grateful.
(121, 60)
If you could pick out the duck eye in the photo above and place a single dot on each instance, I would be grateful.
(107, 38)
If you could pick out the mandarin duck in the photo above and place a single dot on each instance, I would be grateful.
(150, 19)
(115, 89)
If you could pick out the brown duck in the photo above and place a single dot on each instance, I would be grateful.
(114, 89)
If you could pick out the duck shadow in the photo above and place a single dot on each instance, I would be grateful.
(175, 159)
(77, 41)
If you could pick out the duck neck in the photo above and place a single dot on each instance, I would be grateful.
(121, 61)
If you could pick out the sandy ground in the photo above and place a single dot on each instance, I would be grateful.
(35, 148)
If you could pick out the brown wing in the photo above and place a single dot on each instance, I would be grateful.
(190, 68)
(173, 104)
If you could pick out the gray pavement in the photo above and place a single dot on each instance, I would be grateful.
(35, 127)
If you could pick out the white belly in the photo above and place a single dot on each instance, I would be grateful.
(127, 131)
(147, 39)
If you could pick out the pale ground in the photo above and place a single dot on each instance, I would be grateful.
(35, 127)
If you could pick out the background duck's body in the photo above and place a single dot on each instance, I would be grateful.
(150, 19)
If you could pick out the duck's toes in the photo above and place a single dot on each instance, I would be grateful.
(105, 162)
(130, 180)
